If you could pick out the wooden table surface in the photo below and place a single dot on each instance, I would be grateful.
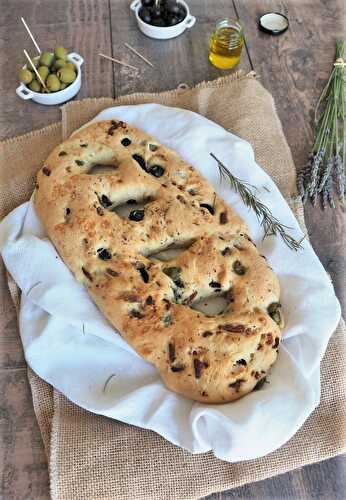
(293, 67)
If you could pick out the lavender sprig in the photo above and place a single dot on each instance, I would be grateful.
(325, 174)
(339, 173)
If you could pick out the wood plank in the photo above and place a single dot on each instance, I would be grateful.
(180, 60)
(324, 481)
(294, 67)
(82, 26)
(22, 458)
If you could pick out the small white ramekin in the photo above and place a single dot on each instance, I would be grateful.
(163, 33)
(55, 97)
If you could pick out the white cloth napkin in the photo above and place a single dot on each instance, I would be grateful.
(69, 343)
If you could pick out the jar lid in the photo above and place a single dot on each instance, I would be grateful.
(273, 23)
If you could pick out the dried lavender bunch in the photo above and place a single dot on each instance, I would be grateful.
(339, 177)
(270, 224)
(325, 172)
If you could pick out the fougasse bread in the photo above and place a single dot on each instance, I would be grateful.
(80, 196)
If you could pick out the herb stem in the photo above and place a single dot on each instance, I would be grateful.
(270, 224)
(325, 173)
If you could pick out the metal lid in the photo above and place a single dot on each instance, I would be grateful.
(273, 23)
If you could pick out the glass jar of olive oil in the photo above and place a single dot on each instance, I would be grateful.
(226, 43)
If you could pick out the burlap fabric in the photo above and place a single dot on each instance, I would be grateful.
(92, 457)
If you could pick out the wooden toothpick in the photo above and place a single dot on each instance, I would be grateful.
(36, 72)
(138, 54)
(122, 63)
(31, 35)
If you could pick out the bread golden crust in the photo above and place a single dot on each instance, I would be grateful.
(152, 302)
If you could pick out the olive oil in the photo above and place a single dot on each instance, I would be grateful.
(226, 44)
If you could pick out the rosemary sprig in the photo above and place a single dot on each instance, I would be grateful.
(270, 224)
(325, 173)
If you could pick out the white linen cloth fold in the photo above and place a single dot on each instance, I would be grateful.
(69, 343)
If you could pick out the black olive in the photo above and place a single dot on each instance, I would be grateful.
(214, 284)
(153, 147)
(136, 215)
(135, 314)
(144, 14)
(172, 20)
(156, 171)
(126, 142)
(177, 368)
(103, 254)
(208, 207)
(111, 272)
(158, 22)
(236, 385)
(87, 274)
(207, 333)
(241, 362)
(149, 300)
(62, 153)
(238, 268)
(226, 251)
(182, 13)
(179, 283)
(105, 201)
(79, 162)
(173, 8)
(156, 12)
(140, 160)
(171, 352)
(131, 202)
(144, 274)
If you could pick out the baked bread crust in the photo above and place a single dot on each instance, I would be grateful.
(212, 359)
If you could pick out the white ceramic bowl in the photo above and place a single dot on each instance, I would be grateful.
(163, 33)
(55, 97)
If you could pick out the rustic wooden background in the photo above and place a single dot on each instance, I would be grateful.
(293, 67)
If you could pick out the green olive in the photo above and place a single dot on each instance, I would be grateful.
(60, 53)
(59, 63)
(35, 86)
(66, 75)
(70, 65)
(43, 71)
(46, 59)
(53, 83)
(63, 86)
(25, 76)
